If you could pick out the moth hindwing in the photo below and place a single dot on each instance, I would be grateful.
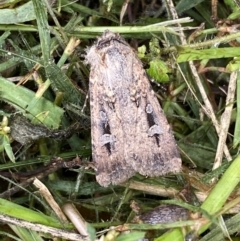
(130, 132)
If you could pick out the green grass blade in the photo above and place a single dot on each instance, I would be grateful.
(21, 98)
(43, 28)
(187, 54)
(17, 15)
(236, 139)
(17, 211)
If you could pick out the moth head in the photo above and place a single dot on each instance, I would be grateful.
(106, 39)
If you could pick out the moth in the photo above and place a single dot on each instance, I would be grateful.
(130, 133)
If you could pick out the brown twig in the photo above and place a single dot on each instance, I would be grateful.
(52, 167)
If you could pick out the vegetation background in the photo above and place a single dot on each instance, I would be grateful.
(189, 48)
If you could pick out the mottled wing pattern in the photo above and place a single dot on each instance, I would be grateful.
(156, 151)
(130, 132)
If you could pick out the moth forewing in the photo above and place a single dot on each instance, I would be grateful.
(130, 132)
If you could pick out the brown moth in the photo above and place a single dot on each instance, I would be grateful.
(130, 132)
